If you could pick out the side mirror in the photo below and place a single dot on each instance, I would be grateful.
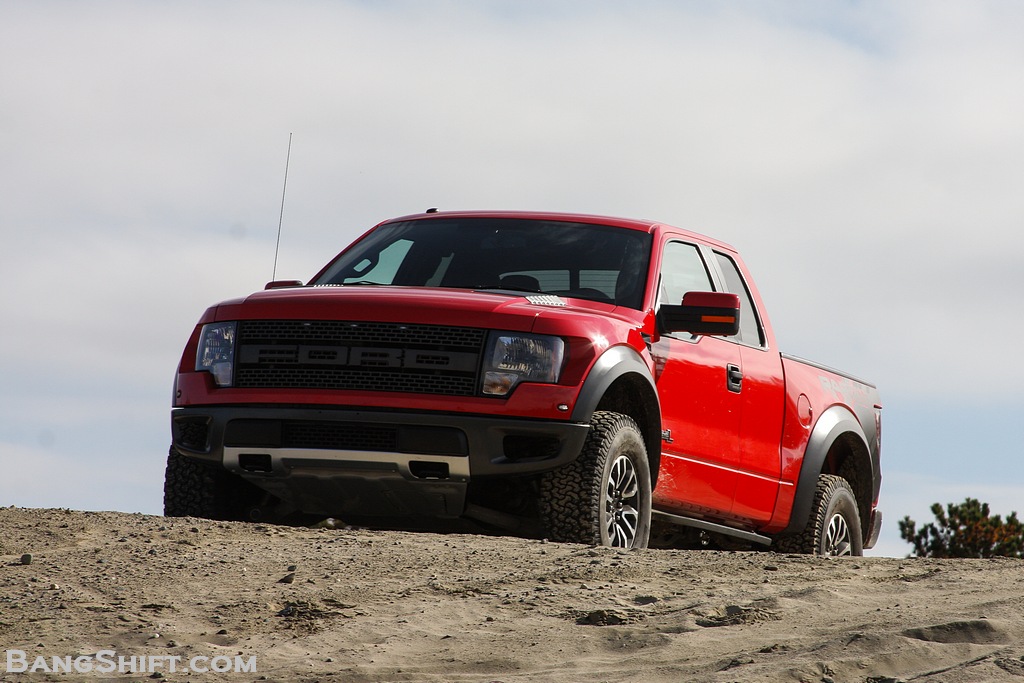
(710, 313)
(279, 284)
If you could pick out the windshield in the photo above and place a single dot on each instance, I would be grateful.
(596, 262)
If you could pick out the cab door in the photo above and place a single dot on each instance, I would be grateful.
(701, 408)
(762, 397)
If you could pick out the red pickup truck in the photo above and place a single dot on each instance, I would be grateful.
(579, 378)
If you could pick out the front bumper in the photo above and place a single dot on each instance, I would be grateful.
(371, 463)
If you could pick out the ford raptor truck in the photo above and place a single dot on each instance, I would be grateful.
(573, 377)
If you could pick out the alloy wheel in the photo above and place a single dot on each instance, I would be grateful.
(622, 500)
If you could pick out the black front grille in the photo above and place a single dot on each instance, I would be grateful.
(347, 436)
(363, 356)
(308, 378)
(354, 437)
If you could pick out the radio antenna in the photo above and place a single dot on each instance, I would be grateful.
(280, 219)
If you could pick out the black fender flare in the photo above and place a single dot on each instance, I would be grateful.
(834, 423)
(614, 364)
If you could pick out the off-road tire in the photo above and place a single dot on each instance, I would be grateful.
(604, 496)
(833, 529)
(195, 489)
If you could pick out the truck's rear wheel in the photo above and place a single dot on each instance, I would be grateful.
(604, 496)
(833, 529)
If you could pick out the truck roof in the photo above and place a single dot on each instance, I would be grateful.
(642, 225)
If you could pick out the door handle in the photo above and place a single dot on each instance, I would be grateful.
(733, 378)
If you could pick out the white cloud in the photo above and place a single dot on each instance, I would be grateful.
(115, 313)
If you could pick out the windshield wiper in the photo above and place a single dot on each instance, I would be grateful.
(499, 287)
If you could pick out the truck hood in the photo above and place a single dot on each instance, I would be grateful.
(458, 307)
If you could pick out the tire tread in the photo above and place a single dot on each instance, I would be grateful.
(189, 488)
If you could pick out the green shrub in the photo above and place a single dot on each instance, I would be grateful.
(965, 530)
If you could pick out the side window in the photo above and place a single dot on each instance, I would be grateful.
(750, 328)
(682, 271)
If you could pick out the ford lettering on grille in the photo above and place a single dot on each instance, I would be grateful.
(358, 356)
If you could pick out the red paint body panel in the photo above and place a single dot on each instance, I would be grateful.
(810, 392)
(698, 464)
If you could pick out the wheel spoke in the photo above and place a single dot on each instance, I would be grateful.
(619, 539)
(622, 531)
(629, 519)
(837, 538)
(629, 489)
(622, 479)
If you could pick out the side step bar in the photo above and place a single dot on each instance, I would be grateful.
(711, 527)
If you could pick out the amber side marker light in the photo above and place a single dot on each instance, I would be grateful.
(710, 313)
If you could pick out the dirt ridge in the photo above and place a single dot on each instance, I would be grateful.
(392, 606)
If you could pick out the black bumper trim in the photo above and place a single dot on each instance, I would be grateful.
(486, 436)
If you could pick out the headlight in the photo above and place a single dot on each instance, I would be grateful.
(513, 358)
(216, 353)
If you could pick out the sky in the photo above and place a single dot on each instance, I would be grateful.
(866, 158)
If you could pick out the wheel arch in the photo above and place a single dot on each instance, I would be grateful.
(620, 381)
(838, 446)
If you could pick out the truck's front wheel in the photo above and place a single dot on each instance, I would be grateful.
(194, 489)
(604, 496)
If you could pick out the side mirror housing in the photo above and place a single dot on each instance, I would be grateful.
(709, 313)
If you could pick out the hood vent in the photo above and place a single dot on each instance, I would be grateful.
(545, 300)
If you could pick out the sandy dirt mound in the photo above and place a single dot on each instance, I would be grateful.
(352, 605)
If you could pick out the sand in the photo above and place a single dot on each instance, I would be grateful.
(356, 605)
